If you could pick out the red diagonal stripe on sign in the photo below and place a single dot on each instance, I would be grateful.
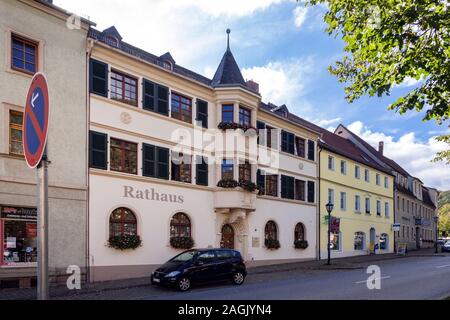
(36, 125)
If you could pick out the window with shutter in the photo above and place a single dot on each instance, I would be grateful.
(98, 78)
(149, 160)
(149, 95)
(287, 142)
(300, 190)
(155, 162)
(300, 144)
(272, 185)
(98, 150)
(202, 113)
(202, 171)
(287, 187)
(261, 126)
(155, 97)
(311, 150)
(261, 179)
(311, 191)
(181, 167)
(162, 159)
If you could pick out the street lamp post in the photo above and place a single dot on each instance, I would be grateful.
(329, 207)
(436, 220)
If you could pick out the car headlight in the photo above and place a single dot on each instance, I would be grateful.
(173, 274)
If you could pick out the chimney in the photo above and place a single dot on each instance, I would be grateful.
(252, 85)
(381, 147)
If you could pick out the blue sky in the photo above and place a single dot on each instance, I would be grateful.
(283, 46)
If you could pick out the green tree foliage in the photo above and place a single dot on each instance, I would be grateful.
(444, 212)
(390, 41)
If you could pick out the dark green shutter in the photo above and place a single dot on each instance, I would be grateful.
(261, 126)
(287, 187)
(149, 160)
(311, 191)
(155, 97)
(148, 102)
(311, 150)
(98, 78)
(202, 112)
(291, 143)
(155, 162)
(261, 179)
(202, 171)
(98, 146)
(163, 100)
(162, 158)
(284, 141)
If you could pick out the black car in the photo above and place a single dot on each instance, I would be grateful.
(200, 266)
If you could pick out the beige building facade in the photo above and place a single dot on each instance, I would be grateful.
(34, 37)
(175, 164)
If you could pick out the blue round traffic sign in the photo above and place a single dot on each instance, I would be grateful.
(35, 120)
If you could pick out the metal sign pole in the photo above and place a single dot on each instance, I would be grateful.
(42, 276)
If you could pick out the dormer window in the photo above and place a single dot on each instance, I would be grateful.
(112, 41)
(167, 65)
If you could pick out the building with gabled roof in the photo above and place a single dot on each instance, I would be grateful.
(415, 205)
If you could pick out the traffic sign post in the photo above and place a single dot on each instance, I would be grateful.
(35, 129)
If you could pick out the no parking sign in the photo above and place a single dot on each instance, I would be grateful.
(35, 121)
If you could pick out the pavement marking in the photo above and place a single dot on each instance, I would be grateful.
(365, 281)
(444, 266)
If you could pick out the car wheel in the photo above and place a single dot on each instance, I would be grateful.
(238, 278)
(184, 284)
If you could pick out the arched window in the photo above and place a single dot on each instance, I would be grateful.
(360, 241)
(300, 232)
(271, 232)
(180, 226)
(122, 222)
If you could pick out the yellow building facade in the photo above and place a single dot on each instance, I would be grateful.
(362, 194)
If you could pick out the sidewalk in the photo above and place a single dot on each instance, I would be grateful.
(350, 263)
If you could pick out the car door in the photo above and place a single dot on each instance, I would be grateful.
(224, 264)
(205, 267)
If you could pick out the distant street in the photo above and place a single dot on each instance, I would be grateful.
(411, 278)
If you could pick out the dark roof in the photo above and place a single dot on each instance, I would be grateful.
(426, 197)
(347, 148)
(167, 57)
(284, 112)
(228, 72)
(146, 56)
(112, 31)
(389, 162)
(404, 190)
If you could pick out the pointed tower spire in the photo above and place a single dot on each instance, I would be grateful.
(228, 72)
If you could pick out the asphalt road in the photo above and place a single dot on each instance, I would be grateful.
(415, 278)
(411, 278)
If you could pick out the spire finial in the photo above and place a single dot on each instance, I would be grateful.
(228, 40)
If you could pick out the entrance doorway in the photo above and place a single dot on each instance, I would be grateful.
(227, 241)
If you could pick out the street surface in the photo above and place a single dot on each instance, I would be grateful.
(410, 278)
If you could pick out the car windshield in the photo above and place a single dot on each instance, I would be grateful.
(185, 256)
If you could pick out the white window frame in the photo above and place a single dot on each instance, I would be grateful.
(332, 163)
(357, 204)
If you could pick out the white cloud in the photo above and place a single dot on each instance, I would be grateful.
(282, 82)
(408, 82)
(229, 8)
(413, 155)
(300, 14)
(327, 122)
